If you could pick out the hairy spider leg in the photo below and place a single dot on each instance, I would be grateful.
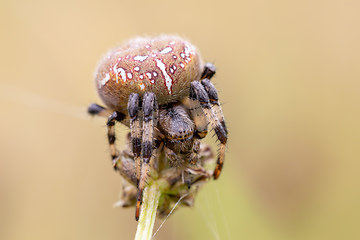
(198, 117)
(196, 112)
(209, 71)
(134, 106)
(95, 109)
(149, 107)
(214, 101)
(115, 116)
(198, 92)
(122, 164)
(126, 168)
(201, 122)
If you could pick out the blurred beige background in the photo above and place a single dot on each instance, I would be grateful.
(288, 75)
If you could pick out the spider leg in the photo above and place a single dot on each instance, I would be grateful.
(115, 116)
(214, 101)
(149, 106)
(95, 109)
(134, 106)
(209, 71)
(126, 167)
(198, 92)
(197, 116)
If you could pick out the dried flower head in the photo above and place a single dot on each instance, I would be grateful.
(178, 185)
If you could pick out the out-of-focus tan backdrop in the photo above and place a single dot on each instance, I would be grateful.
(288, 75)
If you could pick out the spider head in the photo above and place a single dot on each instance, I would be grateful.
(176, 124)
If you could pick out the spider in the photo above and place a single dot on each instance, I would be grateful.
(160, 88)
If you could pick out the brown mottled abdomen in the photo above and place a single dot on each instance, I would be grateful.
(164, 65)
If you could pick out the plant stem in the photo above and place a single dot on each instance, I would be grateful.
(148, 211)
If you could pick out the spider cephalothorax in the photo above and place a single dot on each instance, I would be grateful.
(161, 89)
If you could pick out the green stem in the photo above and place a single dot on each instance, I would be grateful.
(148, 211)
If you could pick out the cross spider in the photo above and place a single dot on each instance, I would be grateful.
(161, 89)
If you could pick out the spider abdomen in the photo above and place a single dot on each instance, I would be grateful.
(164, 65)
